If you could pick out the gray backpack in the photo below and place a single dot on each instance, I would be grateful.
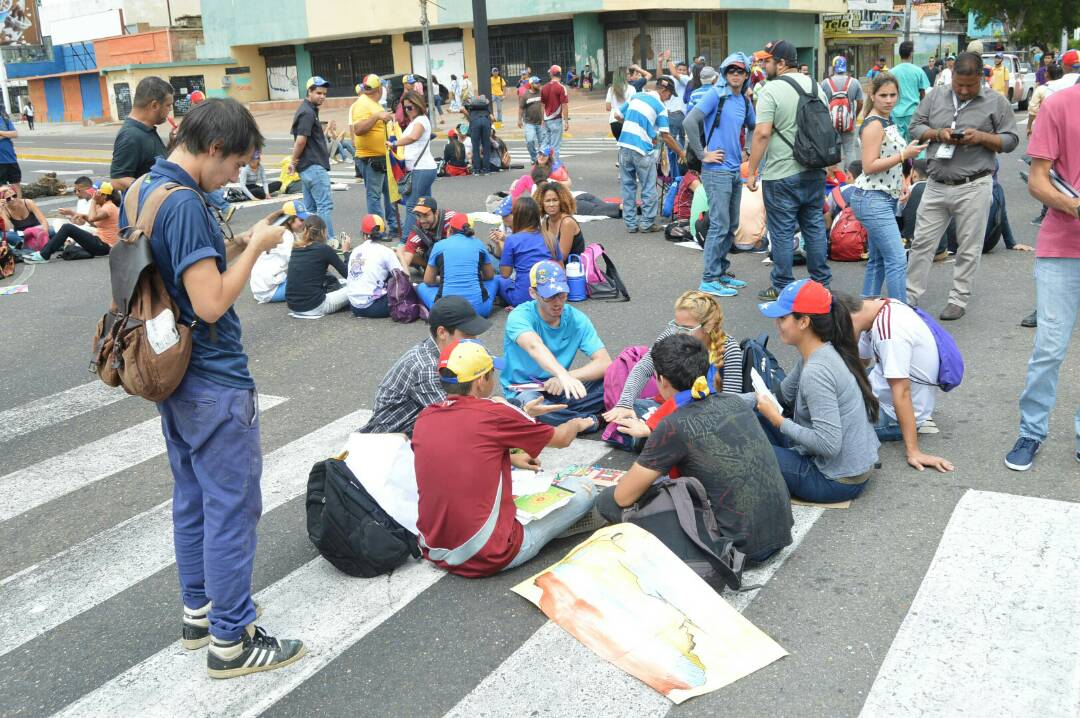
(678, 512)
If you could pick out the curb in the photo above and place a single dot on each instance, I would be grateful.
(59, 158)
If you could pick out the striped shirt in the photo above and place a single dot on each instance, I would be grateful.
(644, 116)
(639, 376)
(698, 95)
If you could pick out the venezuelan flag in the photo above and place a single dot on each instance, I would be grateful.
(395, 161)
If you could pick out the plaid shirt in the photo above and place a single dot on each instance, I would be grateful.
(411, 385)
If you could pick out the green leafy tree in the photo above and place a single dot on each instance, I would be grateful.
(1030, 22)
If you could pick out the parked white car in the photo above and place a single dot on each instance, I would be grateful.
(1021, 78)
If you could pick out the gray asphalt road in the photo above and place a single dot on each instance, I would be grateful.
(835, 604)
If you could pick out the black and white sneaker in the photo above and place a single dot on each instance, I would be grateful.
(252, 653)
(196, 631)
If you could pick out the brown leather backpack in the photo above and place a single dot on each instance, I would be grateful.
(139, 343)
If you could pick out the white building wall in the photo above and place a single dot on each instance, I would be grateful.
(61, 13)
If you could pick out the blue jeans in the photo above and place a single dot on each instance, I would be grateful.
(279, 293)
(427, 294)
(552, 136)
(377, 189)
(675, 124)
(534, 137)
(217, 199)
(498, 100)
(876, 210)
(379, 309)
(887, 428)
(724, 190)
(422, 180)
(345, 150)
(790, 203)
(480, 134)
(317, 197)
(588, 406)
(805, 481)
(540, 533)
(212, 436)
(634, 170)
(1057, 289)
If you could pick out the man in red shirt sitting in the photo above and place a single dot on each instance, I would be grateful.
(467, 518)
(556, 110)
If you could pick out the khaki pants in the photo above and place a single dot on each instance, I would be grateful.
(969, 205)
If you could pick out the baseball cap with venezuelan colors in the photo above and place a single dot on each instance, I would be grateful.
(316, 81)
(803, 297)
(467, 360)
(548, 278)
(372, 81)
(373, 226)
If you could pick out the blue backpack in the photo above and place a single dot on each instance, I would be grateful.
(950, 361)
(757, 356)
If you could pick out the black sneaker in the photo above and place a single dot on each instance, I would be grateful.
(252, 653)
(768, 295)
(196, 631)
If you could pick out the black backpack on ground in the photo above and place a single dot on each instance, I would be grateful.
(349, 528)
(757, 356)
(817, 143)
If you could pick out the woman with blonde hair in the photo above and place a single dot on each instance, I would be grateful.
(557, 223)
(701, 316)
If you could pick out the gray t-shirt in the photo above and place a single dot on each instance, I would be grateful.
(854, 90)
(830, 423)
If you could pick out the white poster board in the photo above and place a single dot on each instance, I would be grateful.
(282, 83)
(447, 58)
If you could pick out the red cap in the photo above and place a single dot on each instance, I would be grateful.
(372, 225)
(458, 222)
(1070, 59)
(554, 70)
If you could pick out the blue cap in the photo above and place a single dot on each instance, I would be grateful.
(547, 150)
(506, 208)
(840, 64)
(534, 80)
(316, 81)
(548, 279)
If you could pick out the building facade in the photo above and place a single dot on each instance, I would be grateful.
(65, 86)
(294, 39)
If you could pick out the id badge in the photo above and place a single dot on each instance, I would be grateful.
(944, 151)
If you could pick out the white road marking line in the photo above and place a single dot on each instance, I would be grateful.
(996, 621)
(580, 677)
(41, 597)
(327, 609)
(52, 478)
(59, 407)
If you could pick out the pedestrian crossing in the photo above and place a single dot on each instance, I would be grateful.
(346, 622)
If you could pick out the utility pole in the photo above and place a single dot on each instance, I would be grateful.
(483, 55)
(907, 20)
(425, 26)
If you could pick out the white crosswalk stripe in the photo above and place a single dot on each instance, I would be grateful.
(64, 405)
(27, 488)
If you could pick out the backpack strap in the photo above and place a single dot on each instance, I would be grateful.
(802, 93)
(832, 88)
(679, 491)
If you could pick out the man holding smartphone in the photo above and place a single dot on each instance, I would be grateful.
(966, 126)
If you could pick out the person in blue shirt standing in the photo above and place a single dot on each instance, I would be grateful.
(460, 266)
(645, 120)
(10, 172)
(913, 84)
(211, 421)
(722, 117)
(541, 340)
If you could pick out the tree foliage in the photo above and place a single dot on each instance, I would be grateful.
(1029, 22)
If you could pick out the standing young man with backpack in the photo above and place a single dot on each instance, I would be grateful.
(793, 191)
(721, 118)
(211, 421)
(845, 104)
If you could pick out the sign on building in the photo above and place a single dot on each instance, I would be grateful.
(20, 23)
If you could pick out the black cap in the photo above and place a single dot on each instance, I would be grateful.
(666, 82)
(778, 50)
(426, 203)
(455, 312)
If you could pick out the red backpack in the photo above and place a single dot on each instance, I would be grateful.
(840, 110)
(847, 239)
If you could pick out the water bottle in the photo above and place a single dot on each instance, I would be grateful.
(575, 279)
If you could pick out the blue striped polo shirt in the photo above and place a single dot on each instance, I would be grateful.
(643, 117)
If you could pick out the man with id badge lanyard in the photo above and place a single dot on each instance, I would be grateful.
(966, 126)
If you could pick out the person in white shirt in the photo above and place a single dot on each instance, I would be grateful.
(676, 104)
(416, 144)
(370, 267)
(944, 77)
(618, 94)
(272, 268)
(905, 373)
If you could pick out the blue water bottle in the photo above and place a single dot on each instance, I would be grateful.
(575, 279)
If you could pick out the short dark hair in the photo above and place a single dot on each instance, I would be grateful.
(83, 181)
(1055, 71)
(456, 388)
(906, 48)
(151, 89)
(968, 64)
(539, 173)
(219, 121)
(854, 168)
(681, 359)
(920, 167)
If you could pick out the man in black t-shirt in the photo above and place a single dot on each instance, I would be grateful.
(478, 110)
(717, 440)
(137, 145)
(311, 153)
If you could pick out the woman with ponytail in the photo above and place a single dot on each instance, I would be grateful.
(713, 437)
(699, 315)
(829, 445)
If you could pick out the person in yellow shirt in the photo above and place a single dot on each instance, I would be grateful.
(367, 120)
(999, 76)
(498, 87)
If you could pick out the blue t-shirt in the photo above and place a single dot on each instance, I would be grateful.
(461, 259)
(184, 233)
(7, 147)
(911, 79)
(521, 251)
(737, 112)
(575, 333)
